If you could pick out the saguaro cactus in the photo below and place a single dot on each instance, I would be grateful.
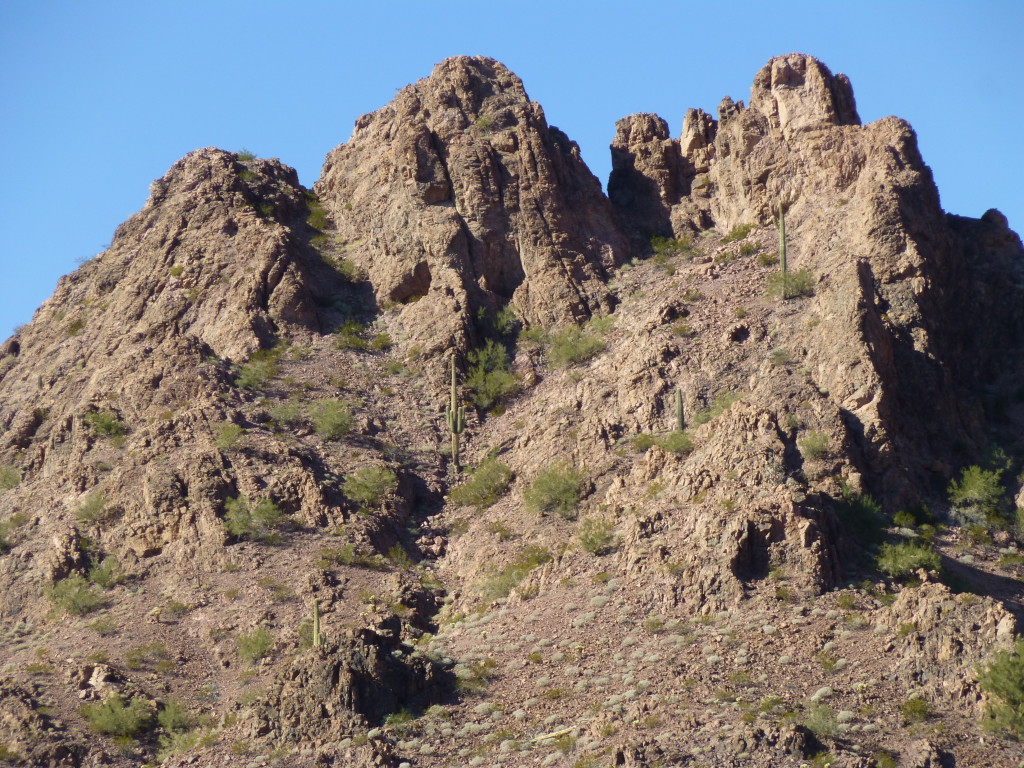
(317, 640)
(781, 223)
(679, 411)
(455, 416)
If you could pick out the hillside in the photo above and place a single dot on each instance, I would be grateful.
(705, 513)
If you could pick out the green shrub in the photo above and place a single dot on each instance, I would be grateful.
(244, 156)
(768, 259)
(555, 489)
(350, 336)
(791, 285)
(93, 509)
(821, 721)
(108, 573)
(484, 486)
(10, 477)
(228, 436)
(814, 446)
(255, 645)
(916, 711)
(115, 718)
(902, 559)
(904, 519)
(667, 247)
(105, 423)
(286, 412)
(317, 217)
(381, 342)
(75, 595)
(860, 515)
(500, 584)
(259, 523)
(719, 405)
(489, 377)
(1003, 680)
(174, 717)
(738, 232)
(348, 554)
(748, 249)
(978, 497)
(572, 345)
(368, 485)
(596, 536)
(7, 527)
(643, 442)
(331, 419)
(260, 368)
(678, 442)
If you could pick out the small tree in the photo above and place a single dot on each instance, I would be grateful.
(1003, 679)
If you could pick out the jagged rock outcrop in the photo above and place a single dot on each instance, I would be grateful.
(458, 197)
(863, 215)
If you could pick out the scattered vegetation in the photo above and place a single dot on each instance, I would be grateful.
(737, 233)
(10, 477)
(108, 573)
(977, 498)
(258, 523)
(916, 710)
(814, 446)
(1003, 680)
(350, 336)
(904, 558)
(791, 285)
(261, 367)
(718, 406)
(489, 376)
(74, 595)
(503, 582)
(555, 489)
(484, 486)
(116, 718)
(860, 515)
(572, 345)
(596, 536)
(332, 419)
(255, 645)
(106, 424)
(368, 485)
(7, 527)
(228, 436)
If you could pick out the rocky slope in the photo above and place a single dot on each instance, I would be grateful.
(235, 414)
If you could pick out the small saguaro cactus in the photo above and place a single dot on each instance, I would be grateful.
(317, 639)
(680, 426)
(455, 416)
(781, 223)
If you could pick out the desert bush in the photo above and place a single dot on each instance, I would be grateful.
(245, 156)
(484, 486)
(489, 377)
(821, 721)
(678, 442)
(572, 345)
(175, 717)
(116, 718)
(348, 554)
(555, 489)
(317, 217)
(667, 247)
(228, 436)
(108, 573)
(860, 515)
(10, 477)
(916, 710)
(1003, 680)
(791, 285)
(350, 336)
(902, 559)
(368, 485)
(254, 645)
(286, 412)
(814, 446)
(93, 509)
(259, 369)
(105, 423)
(500, 584)
(768, 259)
(259, 523)
(738, 232)
(978, 496)
(719, 405)
(331, 418)
(596, 536)
(643, 442)
(7, 527)
(75, 595)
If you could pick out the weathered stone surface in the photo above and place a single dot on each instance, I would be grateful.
(458, 197)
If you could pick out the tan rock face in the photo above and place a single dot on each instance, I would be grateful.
(458, 197)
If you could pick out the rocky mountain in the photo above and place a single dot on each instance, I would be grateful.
(709, 509)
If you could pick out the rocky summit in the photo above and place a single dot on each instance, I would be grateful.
(453, 460)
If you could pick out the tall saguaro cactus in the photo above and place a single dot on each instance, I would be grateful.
(317, 639)
(782, 240)
(680, 426)
(455, 416)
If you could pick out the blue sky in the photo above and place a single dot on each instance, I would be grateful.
(99, 98)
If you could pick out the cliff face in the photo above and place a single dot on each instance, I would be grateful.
(458, 197)
(233, 418)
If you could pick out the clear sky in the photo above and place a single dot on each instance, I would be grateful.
(99, 98)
